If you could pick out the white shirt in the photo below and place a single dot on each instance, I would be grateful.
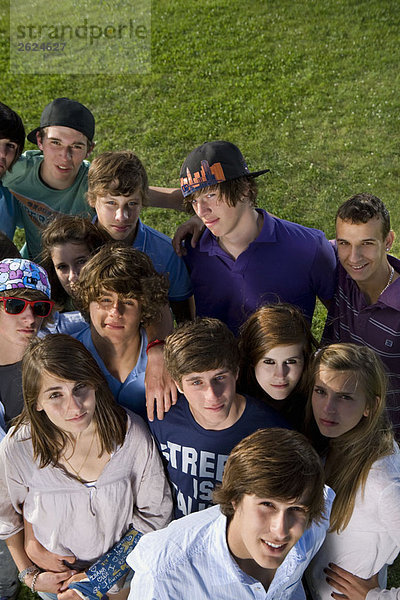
(371, 540)
(191, 559)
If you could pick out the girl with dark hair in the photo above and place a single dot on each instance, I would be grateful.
(275, 346)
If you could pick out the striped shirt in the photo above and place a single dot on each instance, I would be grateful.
(352, 319)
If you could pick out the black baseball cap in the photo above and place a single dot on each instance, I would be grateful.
(212, 163)
(66, 113)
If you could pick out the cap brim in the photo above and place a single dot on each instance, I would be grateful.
(31, 137)
(257, 173)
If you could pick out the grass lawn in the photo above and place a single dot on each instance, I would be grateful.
(309, 89)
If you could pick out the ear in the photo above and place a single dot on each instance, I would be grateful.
(179, 387)
(90, 149)
(39, 141)
(389, 240)
(367, 410)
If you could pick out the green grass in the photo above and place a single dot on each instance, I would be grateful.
(309, 89)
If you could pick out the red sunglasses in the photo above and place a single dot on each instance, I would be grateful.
(16, 306)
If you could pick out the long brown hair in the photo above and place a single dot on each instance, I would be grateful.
(351, 455)
(66, 358)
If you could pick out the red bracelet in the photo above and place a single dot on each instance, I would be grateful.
(154, 343)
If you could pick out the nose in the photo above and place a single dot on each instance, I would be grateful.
(280, 370)
(329, 405)
(122, 213)
(66, 152)
(117, 307)
(73, 275)
(201, 208)
(279, 525)
(75, 402)
(28, 315)
(211, 394)
(354, 254)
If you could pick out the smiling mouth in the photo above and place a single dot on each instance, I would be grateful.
(358, 267)
(276, 548)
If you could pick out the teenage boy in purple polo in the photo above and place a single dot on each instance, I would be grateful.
(247, 257)
(366, 305)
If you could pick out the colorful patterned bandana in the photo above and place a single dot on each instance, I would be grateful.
(22, 273)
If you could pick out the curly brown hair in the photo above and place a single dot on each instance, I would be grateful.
(129, 273)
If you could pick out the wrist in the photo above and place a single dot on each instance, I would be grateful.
(155, 344)
(26, 574)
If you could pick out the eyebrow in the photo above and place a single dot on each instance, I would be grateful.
(51, 389)
(200, 375)
(60, 140)
(294, 356)
(372, 239)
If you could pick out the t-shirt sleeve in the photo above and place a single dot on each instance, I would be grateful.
(12, 492)
(153, 508)
(180, 286)
(323, 270)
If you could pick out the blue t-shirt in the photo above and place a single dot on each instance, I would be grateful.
(159, 248)
(7, 212)
(195, 457)
(131, 392)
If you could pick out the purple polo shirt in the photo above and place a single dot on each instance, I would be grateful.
(351, 319)
(286, 262)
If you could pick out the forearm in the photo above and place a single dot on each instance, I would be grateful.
(166, 198)
(160, 329)
(15, 544)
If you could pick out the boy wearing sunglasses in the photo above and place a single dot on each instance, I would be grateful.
(24, 305)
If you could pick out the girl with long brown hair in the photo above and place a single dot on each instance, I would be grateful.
(78, 467)
(346, 411)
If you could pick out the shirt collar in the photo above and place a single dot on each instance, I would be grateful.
(209, 243)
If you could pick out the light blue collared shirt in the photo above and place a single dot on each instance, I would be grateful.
(131, 392)
(191, 558)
